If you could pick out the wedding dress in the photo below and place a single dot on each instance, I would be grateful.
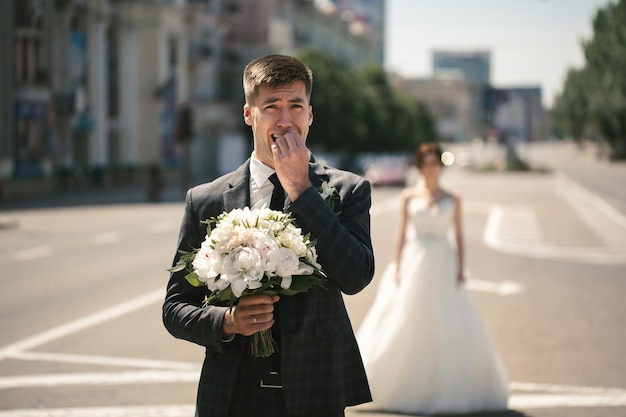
(423, 343)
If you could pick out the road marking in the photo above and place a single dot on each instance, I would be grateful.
(505, 232)
(106, 238)
(82, 323)
(558, 396)
(100, 378)
(180, 410)
(546, 396)
(608, 223)
(502, 288)
(33, 253)
(106, 360)
(570, 188)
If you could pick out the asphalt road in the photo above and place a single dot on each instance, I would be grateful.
(81, 287)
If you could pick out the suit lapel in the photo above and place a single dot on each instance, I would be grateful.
(317, 173)
(238, 196)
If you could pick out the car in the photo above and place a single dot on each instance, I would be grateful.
(387, 171)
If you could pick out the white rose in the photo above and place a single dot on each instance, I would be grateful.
(207, 263)
(288, 263)
(267, 249)
(245, 259)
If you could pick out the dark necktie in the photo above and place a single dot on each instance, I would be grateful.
(278, 195)
(277, 203)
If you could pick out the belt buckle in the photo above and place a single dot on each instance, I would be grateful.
(272, 380)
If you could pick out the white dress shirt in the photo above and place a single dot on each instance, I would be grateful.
(261, 187)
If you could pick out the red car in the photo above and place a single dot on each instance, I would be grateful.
(387, 171)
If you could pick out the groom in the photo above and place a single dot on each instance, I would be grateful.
(318, 369)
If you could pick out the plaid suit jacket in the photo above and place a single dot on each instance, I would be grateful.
(321, 366)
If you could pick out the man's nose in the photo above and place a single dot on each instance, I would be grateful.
(284, 119)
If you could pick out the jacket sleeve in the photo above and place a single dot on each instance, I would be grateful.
(183, 313)
(344, 246)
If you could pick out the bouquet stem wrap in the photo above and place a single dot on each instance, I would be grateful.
(262, 344)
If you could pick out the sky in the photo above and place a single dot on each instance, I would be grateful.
(532, 42)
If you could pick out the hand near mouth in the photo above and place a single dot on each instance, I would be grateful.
(291, 162)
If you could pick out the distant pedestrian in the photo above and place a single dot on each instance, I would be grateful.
(156, 182)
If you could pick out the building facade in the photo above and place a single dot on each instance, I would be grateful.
(95, 90)
(450, 101)
(520, 116)
(82, 88)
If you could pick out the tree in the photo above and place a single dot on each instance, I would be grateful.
(332, 101)
(571, 108)
(358, 111)
(595, 96)
(605, 54)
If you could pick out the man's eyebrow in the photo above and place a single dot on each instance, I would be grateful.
(270, 100)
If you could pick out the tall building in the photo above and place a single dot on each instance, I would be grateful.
(473, 67)
(450, 101)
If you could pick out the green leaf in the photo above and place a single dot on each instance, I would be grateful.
(192, 278)
(178, 267)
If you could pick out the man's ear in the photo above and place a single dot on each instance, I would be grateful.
(310, 115)
(246, 114)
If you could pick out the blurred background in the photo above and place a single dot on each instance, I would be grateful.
(97, 93)
(108, 107)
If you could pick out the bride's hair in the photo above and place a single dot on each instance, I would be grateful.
(425, 149)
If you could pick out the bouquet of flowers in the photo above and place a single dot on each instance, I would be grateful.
(253, 252)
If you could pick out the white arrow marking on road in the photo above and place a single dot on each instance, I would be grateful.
(502, 288)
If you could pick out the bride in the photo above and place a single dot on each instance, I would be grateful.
(423, 343)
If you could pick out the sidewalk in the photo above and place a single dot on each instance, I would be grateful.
(96, 195)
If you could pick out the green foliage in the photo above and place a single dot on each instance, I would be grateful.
(595, 96)
(358, 111)
(571, 109)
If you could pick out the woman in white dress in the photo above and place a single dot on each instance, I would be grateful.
(423, 343)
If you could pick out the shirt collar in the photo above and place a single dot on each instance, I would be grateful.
(259, 172)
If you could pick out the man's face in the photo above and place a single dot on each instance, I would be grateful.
(275, 112)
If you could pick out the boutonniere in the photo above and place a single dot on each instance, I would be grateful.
(329, 194)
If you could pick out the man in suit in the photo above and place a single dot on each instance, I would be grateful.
(317, 370)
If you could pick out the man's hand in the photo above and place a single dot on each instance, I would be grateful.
(291, 162)
(251, 315)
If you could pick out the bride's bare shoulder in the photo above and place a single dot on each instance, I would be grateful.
(410, 192)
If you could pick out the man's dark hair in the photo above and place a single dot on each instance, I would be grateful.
(275, 71)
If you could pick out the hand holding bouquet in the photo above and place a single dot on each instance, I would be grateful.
(253, 252)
